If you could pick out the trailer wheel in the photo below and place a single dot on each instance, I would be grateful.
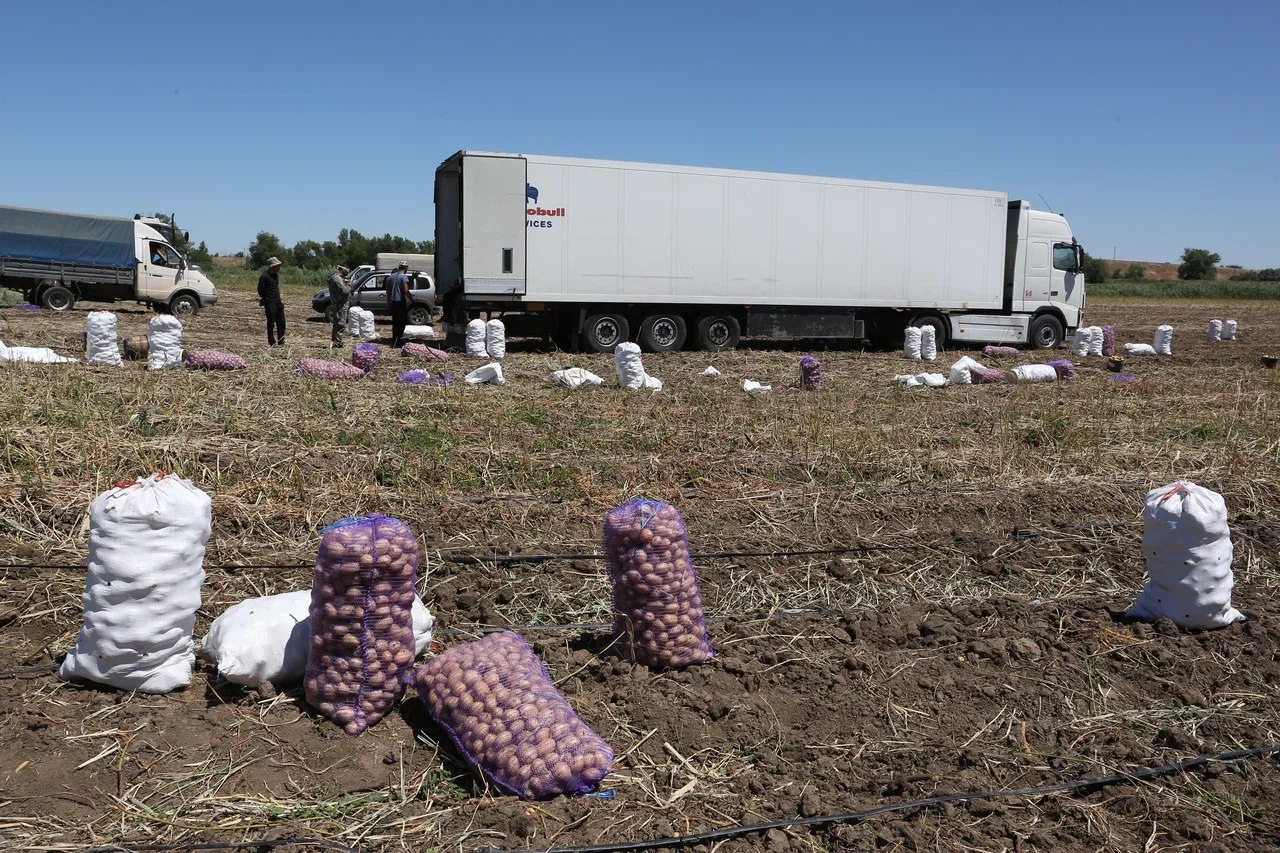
(1046, 332)
(184, 305)
(663, 333)
(58, 299)
(940, 326)
(603, 332)
(718, 332)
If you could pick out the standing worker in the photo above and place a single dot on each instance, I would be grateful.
(398, 299)
(339, 303)
(269, 299)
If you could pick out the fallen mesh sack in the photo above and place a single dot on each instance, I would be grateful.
(416, 350)
(1139, 349)
(630, 368)
(101, 343)
(960, 372)
(497, 703)
(925, 380)
(475, 339)
(1080, 341)
(1215, 330)
(491, 374)
(267, 638)
(657, 606)
(365, 356)
(928, 343)
(575, 377)
(986, 376)
(911, 343)
(1164, 340)
(993, 351)
(1229, 328)
(1066, 370)
(495, 339)
(1032, 373)
(1187, 543)
(164, 342)
(418, 332)
(1108, 340)
(142, 589)
(810, 373)
(1095, 341)
(362, 645)
(212, 359)
(31, 355)
(323, 368)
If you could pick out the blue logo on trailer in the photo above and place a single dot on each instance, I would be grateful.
(531, 193)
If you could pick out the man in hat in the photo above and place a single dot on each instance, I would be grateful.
(269, 299)
(339, 303)
(399, 298)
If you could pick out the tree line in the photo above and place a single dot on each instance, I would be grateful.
(1197, 265)
(351, 249)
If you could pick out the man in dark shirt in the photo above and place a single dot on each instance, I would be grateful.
(269, 299)
(398, 301)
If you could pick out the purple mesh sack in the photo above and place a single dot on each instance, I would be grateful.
(413, 377)
(362, 642)
(986, 375)
(810, 373)
(499, 706)
(995, 351)
(327, 369)
(417, 350)
(365, 356)
(212, 359)
(657, 607)
(1066, 370)
(1108, 340)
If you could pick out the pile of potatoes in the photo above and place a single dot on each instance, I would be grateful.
(494, 698)
(362, 643)
(657, 606)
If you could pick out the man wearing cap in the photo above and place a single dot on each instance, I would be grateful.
(269, 299)
(339, 303)
(398, 299)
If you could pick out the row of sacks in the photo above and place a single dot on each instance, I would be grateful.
(486, 340)
(162, 347)
(967, 371)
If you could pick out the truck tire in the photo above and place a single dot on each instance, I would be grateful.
(58, 298)
(1045, 332)
(664, 332)
(419, 315)
(940, 326)
(603, 332)
(718, 332)
(184, 305)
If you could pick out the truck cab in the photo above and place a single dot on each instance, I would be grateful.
(165, 276)
(1047, 274)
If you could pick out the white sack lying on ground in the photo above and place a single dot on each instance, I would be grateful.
(960, 371)
(266, 639)
(710, 371)
(31, 355)
(1139, 349)
(1031, 373)
(418, 332)
(490, 373)
(1187, 543)
(753, 387)
(575, 377)
(927, 380)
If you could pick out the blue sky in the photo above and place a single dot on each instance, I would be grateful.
(1153, 126)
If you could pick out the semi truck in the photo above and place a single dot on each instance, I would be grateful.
(593, 253)
(58, 259)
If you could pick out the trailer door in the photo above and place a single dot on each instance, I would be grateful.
(493, 225)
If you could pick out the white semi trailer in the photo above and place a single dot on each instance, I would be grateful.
(595, 252)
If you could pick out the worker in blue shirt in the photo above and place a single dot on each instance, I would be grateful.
(399, 298)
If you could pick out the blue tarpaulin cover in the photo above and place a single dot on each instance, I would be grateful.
(67, 238)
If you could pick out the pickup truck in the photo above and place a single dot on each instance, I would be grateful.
(58, 259)
(370, 293)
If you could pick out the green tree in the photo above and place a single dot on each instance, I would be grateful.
(1095, 269)
(1198, 264)
(264, 246)
(200, 256)
(1136, 272)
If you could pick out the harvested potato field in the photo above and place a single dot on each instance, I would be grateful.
(911, 593)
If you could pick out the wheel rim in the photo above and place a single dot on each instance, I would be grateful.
(1045, 336)
(59, 302)
(184, 306)
(665, 332)
(606, 332)
(718, 333)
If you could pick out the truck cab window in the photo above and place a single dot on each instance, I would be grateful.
(161, 255)
(1064, 258)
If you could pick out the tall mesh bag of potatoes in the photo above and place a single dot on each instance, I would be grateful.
(499, 706)
(362, 643)
(657, 606)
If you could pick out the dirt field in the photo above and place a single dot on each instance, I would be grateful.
(971, 640)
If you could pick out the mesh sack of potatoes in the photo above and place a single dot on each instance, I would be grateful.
(496, 701)
(987, 376)
(1108, 341)
(362, 642)
(810, 374)
(413, 349)
(365, 356)
(212, 359)
(657, 606)
(1065, 369)
(324, 368)
(996, 351)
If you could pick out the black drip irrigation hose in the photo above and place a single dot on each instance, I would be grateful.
(736, 831)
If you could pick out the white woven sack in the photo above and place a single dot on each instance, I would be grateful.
(418, 332)
(102, 345)
(630, 368)
(164, 342)
(1139, 349)
(495, 339)
(1032, 373)
(31, 355)
(142, 589)
(960, 371)
(266, 639)
(368, 325)
(575, 377)
(1164, 340)
(1215, 330)
(1095, 340)
(911, 343)
(476, 339)
(490, 374)
(751, 386)
(353, 320)
(928, 343)
(1229, 328)
(1081, 340)
(1187, 543)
